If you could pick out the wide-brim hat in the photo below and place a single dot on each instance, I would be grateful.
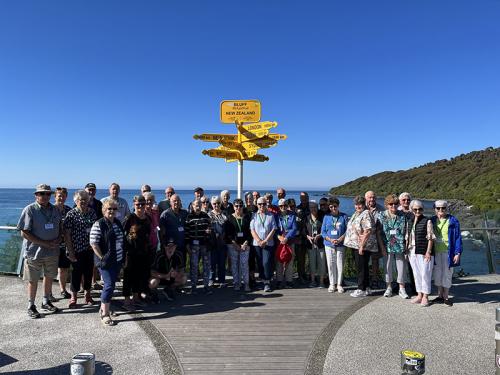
(43, 188)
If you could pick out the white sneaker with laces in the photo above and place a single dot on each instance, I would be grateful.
(358, 293)
(403, 294)
(340, 289)
(331, 289)
(388, 292)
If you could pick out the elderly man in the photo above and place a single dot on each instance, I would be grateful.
(40, 226)
(375, 209)
(172, 225)
(94, 203)
(165, 204)
(123, 209)
(145, 189)
(280, 193)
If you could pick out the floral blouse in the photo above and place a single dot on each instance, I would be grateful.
(358, 224)
(393, 231)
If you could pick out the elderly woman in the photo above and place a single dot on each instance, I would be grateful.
(315, 246)
(238, 238)
(263, 227)
(394, 226)
(137, 228)
(333, 231)
(154, 216)
(204, 204)
(77, 226)
(448, 249)
(361, 237)
(226, 206)
(286, 230)
(219, 249)
(106, 239)
(421, 250)
(60, 196)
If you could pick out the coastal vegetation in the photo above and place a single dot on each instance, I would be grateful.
(473, 177)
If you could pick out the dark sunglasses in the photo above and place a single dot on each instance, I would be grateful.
(334, 206)
(238, 205)
(418, 209)
(441, 208)
(44, 194)
(392, 204)
(261, 204)
(111, 208)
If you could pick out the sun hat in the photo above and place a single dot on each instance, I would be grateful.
(43, 188)
(90, 185)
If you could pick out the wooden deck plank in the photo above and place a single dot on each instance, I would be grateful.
(227, 333)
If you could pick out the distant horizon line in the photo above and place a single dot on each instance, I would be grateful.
(181, 188)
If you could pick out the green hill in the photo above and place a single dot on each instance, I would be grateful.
(472, 177)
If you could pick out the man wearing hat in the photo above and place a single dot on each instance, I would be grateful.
(167, 270)
(198, 193)
(94, 203)
(40, 226)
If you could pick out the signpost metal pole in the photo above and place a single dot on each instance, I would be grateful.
(240, 179)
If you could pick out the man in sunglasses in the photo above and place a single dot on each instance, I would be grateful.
(123, 209)
(40, 226)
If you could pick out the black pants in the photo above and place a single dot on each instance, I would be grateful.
(83, 267)
(136, 275)
(300, 258)
(363, 268)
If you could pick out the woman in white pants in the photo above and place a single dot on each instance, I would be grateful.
(333, 232)
(448, 249)
(393, 244)
(420, 246)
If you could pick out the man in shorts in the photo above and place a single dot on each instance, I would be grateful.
(166, 271)
(40, 226)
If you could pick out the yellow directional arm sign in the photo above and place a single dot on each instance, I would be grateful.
(215, 137)
(239, 110)
(224, 154)
(258, 126)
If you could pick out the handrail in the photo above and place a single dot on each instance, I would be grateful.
(5, 227)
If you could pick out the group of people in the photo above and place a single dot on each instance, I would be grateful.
(154, 245)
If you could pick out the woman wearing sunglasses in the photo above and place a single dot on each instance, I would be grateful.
(393, 244)
(448, 249)
(420, 246)
(137, 227)
(263, 226)
(106, 239)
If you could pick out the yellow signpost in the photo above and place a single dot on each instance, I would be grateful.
(250, 137)
(239, 110)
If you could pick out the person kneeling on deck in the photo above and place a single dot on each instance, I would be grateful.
(167, 271)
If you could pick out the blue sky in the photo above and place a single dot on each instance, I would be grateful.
(114, 90)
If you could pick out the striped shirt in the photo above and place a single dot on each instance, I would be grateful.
(95, 237)
(196, 228)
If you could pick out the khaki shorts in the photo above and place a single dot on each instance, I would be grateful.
(33, 269)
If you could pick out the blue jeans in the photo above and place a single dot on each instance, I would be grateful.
(218, 263)
(109, 277)
(265, 257)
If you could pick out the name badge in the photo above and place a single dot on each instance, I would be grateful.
(196, 242)
(240, 234)
(180, 229)
(393, 232)
(335, 232)
(49, 226)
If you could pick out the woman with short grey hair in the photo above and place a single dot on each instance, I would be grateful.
(226, 206)
(219, 250)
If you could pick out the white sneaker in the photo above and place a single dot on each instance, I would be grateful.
(358, 293)
(368, 292)
(340, 289)
(388, 292)
(403, 294)
(331, 289)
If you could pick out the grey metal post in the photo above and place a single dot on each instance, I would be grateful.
(240, 179)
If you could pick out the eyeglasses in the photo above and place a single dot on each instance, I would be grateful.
(205, 202)
(238, 205)
(140, 204)
(441, 208)
(282, 205)
(83, 200)
(216, 204)
(112, 208)
(333, 206)
(418, 209)
(261, 204)
(44, 194)
(405, 199)
(392, 204)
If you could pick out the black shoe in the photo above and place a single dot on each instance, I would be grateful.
(50, 307)
(438, 300)
(169, 295)
(208, 291)
(33, 312)
(448, 302)
(52, 298)
(65, 294)
(155, 298)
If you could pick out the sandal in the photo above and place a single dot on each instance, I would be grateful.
(88, 300)
(72, 303)
(107, 321)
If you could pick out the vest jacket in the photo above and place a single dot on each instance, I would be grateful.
(421, 236)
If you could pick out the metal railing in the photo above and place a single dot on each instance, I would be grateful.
(11, 260)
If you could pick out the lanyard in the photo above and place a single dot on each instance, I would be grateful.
(334, 223)
(285, 219)
(239, 221)
(262, 221)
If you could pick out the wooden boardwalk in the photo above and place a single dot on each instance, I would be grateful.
(250, 333)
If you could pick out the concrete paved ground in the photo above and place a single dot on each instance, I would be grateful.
(455, 340)
(45, 346)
